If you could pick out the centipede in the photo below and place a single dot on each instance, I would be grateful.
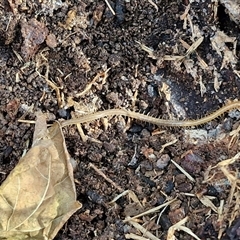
(153, 120)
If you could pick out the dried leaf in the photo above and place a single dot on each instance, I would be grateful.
(39, 195)
(34, 34)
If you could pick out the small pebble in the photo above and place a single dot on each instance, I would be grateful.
(234, 114)
(109, 147)
(63, 113)
(143, 105)
(165, 222)
(228, 124)
(146, 166)
(192, 163)
(185, 187)
(95, 197)
(51, 40)
(112, 97)
(212, 191)
(148, 181)
(151, 91)
(135, 128)
(163, 161)
(145, 133)
(234, 231)
(6, 153)
(169, 187)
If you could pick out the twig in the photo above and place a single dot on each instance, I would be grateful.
(135, 236)
(154, 4)
(143, 230)
(183, 171)
(108, 4)
(105, 177)
(152, 210)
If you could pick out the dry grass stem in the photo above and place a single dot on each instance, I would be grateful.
(237, 73)
(19, 57)
(105, 177)
(154, 4)
(229, 161)
(159, 217)
(108, 4)
(143, 230)
(206, 201)
(80, 130)
(158, 132)
(60, 99)
(179, 227)
(194, 46)
(150, 51)
(221, 218)
(102, 75)
(234, 137)
(29, 109)
(215, 9)
(203, 64)
(167, 144)
(183, 171)
(26, 121)
(152, 210)
(228, 210)
(184, 15)
(135, 236)
(130, 194)
(173, 58)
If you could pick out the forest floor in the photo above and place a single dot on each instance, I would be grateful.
(162, 58)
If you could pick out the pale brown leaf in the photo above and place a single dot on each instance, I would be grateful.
(39, 195)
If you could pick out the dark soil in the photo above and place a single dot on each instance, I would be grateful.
(69, 43)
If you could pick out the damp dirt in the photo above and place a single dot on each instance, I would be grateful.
(167, 59)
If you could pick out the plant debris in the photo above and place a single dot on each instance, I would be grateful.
(39, 195)
(34, 34)
(169, 60)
